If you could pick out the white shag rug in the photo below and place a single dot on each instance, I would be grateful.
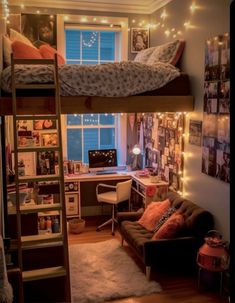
(103, 271)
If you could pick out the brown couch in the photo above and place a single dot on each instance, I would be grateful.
(168, 254)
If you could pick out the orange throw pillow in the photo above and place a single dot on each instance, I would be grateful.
(49, 52)
(24, 51)
(153, 214)
(170, 228)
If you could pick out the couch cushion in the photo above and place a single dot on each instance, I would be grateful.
(135, 235)
(153, 214)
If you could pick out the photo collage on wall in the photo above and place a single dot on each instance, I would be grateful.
(216, 116)
(163, 145)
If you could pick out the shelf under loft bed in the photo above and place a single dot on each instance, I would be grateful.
(173, 97)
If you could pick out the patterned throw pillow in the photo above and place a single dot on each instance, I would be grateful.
(167, 53)
(144, 55)
(170, 228)
(153, 213)
(164, 217)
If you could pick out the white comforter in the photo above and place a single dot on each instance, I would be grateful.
(107, 80)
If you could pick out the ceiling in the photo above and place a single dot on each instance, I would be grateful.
(121, 6)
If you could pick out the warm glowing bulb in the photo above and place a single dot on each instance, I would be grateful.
(193, 7)
(167, 33)
(133, 21)
(38, 12)
(163, 15)
(136, 150)
(187, 24)
(22, 5)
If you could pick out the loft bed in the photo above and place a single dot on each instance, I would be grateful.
(165, 100)
(131, 86)
(174, 96)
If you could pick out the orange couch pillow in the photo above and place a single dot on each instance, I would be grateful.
(170, 228)
(153, 214)
(24, 51)
(49, 52)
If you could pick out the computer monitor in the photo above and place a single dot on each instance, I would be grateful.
(102, 159)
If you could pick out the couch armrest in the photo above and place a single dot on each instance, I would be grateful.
(173, 250)
(128, 216)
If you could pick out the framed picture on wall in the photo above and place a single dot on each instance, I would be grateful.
(139, 39)
(77, 166)
(195, 132)
(39, 28)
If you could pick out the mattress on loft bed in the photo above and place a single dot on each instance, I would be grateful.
(106, 80)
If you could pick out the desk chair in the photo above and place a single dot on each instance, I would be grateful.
(119, 193)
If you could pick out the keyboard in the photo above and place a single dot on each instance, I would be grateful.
(106, 172)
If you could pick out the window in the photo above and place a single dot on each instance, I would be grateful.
(90, 131)
(90, 46)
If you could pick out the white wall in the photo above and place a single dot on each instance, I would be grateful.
(209, 20)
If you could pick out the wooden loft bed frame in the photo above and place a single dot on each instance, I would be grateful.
(84, 104)
(173, 97)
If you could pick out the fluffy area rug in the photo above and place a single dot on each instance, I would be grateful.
(103, 271)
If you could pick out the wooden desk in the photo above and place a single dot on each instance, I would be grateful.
(148, 190)
(77, 190)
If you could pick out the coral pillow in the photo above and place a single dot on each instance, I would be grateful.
(49, 52)
(24, 51)
(167, 53)
(170, 228)
(153, 214)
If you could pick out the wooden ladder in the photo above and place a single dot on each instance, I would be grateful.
(41, 250)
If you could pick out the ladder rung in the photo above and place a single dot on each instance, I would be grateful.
(35, 86)
(34, 61)
(39, 178)
(24, 209)
(39, 239)
(43, 273)
(37, 117)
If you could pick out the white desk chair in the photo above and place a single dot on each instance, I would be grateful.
(119, 193)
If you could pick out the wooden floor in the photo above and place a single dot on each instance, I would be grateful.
(176, 289)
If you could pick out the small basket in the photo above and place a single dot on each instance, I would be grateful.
(76, 226)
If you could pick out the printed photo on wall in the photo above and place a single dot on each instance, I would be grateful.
(39, 29)
(44, 124)
(49, 139)
(139, 39)
(195, 132)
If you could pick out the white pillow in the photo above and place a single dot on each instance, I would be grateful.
(14, 35)
(167, 53)
(7, 50)
(144, 55)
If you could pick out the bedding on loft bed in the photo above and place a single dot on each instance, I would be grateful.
(105, 80)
